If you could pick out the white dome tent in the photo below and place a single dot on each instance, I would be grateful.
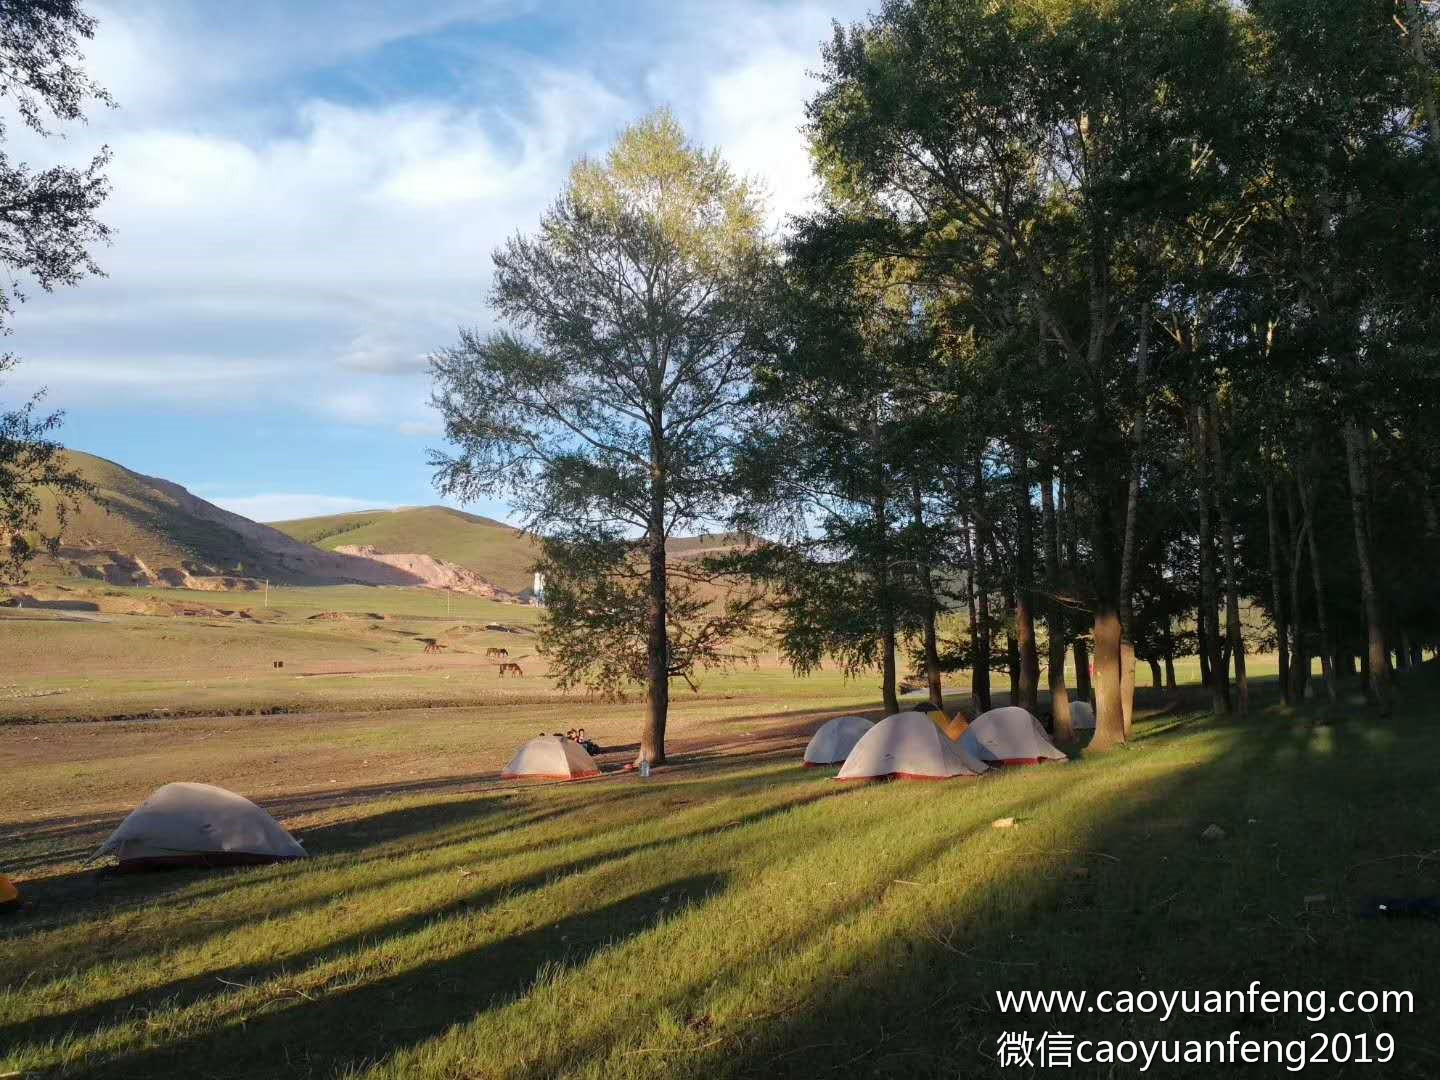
(551, 757)
(1009, 736)
(908, 746)
(198, 825)
(1082, 716)
(834, 740)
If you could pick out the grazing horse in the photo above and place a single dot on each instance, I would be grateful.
(432, 646)
(510, 669)
(497, 652)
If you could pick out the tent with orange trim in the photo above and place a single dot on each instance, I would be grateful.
(832, 743)
(551, 757)
(198, 825)
(9, 895)
(1009, 736)
(908, 746)
(953, 728)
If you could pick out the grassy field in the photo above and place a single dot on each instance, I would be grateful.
(741, 916)
(734, 915)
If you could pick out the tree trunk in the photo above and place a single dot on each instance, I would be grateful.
(657, 644)
(886, 611)
(1109, 718)
(1012, 646)
(1209, 599)
(1224, 500)
(1322, 621)
(1028, 681)
(1055, 614)
(927, 589)
(1202, 645)
(1170, 681)
(1084, 691)
(1105, 555)
(1154, 671)
(1132, 506)
(1299, 654)
(1127, 682)
(1356, 455)
(1277, 595)
(979, 627)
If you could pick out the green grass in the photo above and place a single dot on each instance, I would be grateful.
(751, 918)
(147, 519)
(501, 554)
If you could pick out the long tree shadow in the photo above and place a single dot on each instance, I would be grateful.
(297, 1037)
(1172, 911)
(213, 982)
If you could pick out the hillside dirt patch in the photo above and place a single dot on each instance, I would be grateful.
(430, 572)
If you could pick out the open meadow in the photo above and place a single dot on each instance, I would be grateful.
(732, 915)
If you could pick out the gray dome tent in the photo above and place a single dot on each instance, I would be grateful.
(198, 825)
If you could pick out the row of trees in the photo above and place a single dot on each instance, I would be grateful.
(1116, 316)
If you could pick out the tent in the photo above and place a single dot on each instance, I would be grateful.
(1009, 736)
(908, 746)
(9, 895)
(1082, 717)
(832, 743)
(551, 757)
(198, 825)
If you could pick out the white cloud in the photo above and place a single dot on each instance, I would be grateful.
(280, 245)
(287, 507)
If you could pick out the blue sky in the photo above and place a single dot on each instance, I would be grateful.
(306, 197)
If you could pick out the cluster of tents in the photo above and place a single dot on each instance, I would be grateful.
(185, 824)
(907, 746)
(930, 746)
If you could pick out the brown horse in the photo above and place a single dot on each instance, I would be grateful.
(497, 652)
(510, 669)
(432, 646)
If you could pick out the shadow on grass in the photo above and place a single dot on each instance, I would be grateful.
(298, 1037)
(1171, 912)
(214, 982)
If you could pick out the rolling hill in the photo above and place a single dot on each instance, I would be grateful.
(496, 551)
(492, 549)
(141, 530)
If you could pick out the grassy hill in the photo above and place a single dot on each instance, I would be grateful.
(496, 551)
(134, 519)
(500, 553)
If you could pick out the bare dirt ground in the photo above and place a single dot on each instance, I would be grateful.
(80, 779)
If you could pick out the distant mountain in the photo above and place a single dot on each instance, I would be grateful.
(497, 552)
(141, 530)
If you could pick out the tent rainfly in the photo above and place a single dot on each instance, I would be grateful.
(908, 746)
(832, 743)
(1082, 717)
(953, 727)
(198, 825)
(551, 757)
(1009, 736)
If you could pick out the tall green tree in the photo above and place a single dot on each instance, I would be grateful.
(609, 404)
(47, 230)
(1052, 141)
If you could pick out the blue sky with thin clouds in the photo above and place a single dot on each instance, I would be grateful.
(305, 201)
